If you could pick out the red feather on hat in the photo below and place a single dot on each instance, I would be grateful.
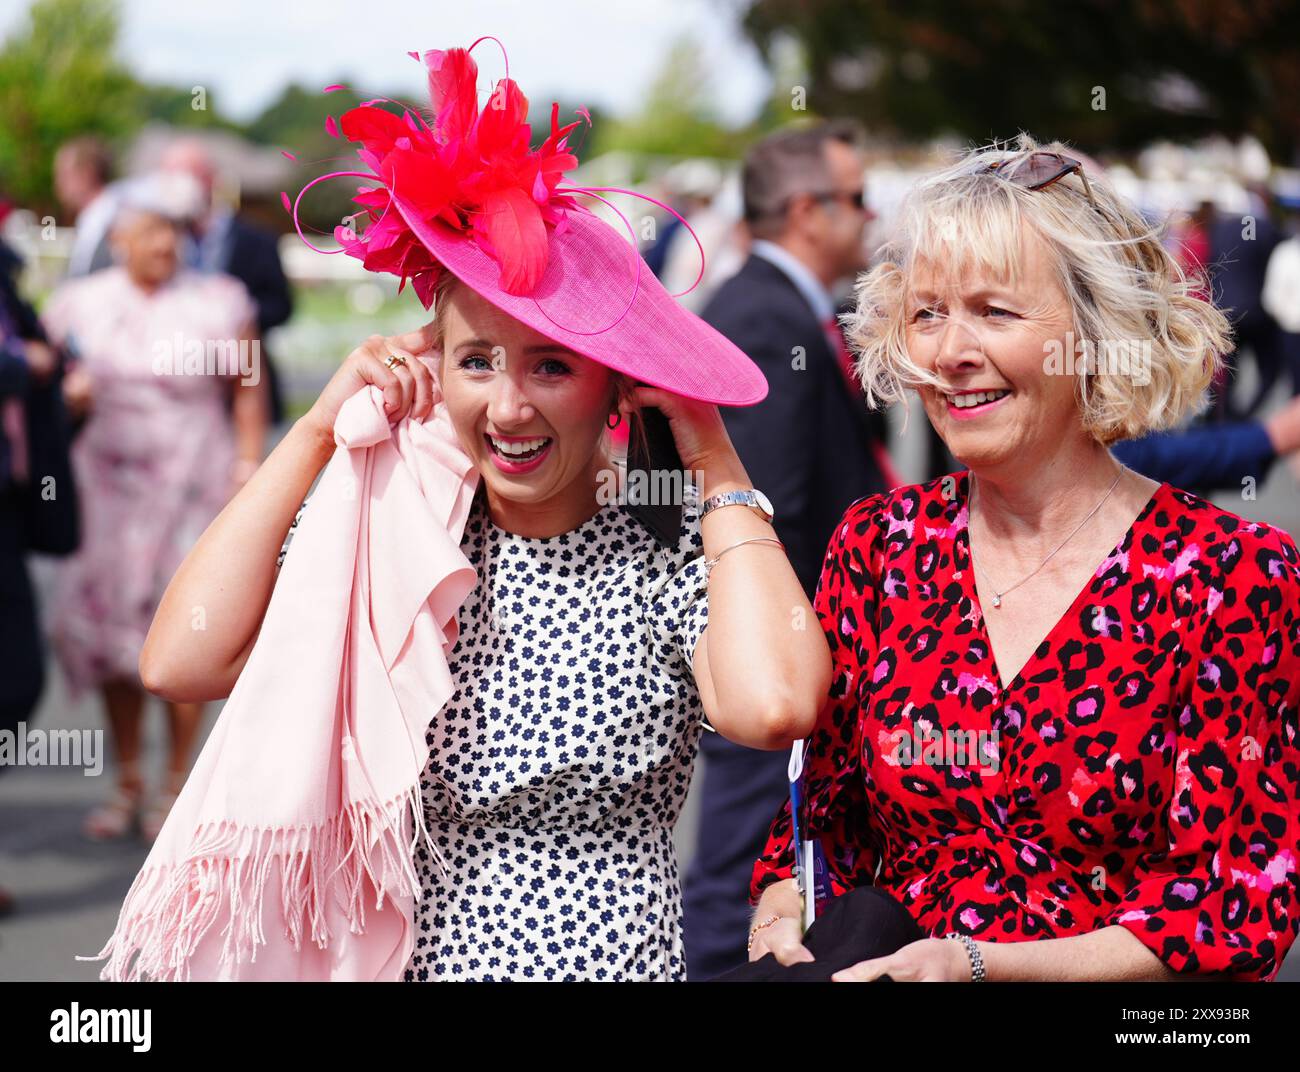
(472, 171)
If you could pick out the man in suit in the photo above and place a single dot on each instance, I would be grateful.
(38, 496)
(222, 242)
(83, 168)
(812, 446)
(1238, 264)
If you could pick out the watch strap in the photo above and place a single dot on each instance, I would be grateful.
(743, 497)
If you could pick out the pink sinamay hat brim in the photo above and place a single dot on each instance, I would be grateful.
(599, 299)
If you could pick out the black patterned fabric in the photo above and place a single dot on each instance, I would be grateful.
(560, 765)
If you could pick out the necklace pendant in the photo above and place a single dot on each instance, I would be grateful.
(997, 600)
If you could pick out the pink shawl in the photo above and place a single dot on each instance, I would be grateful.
(304, 807)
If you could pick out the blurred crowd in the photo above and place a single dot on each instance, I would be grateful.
(121, 440)
(1231, 216)
(134, 405)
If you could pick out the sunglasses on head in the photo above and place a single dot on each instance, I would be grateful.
(1040, 169)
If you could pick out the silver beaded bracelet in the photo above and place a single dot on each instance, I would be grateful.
(973, 952)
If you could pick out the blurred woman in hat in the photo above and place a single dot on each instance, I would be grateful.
(591, 650)
(157, 457)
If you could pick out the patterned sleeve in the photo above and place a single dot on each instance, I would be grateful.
(678, 604)
(1221, 894)
(288, 538)
(835, 804)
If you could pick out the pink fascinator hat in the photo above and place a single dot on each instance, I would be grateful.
(463, 191)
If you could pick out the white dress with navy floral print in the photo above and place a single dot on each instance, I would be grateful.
(560, 765)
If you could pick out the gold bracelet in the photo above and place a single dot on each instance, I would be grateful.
(709, 563)
(753, 931)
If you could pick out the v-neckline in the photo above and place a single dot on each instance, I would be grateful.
(1070, 612)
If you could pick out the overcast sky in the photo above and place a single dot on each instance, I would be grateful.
(596, 52)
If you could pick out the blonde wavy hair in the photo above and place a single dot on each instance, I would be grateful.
(1120, 281)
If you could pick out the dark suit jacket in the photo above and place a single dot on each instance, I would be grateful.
(1204, 457)
(29, 520)
(49, 525)
(1237, 266)
(808, 445)
(251, 255)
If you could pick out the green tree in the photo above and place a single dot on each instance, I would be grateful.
(295, 122)
(678, 117)
(1099, 73)
(59, 77)
(175, 106)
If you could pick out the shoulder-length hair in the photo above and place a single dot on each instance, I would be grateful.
(1126, 291)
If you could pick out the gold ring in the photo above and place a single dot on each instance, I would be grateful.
(395, 360)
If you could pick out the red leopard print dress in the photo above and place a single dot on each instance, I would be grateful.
(1143, 768)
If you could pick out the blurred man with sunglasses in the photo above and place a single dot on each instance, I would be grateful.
(811, 445)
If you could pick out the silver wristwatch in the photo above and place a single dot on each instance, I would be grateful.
(753, 498)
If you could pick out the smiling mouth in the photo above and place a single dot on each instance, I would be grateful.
(971, 399)
(523, 450)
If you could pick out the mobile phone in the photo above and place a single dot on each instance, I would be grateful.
(654, 476)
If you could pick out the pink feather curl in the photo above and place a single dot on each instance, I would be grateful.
(471, 169)
(667, 208)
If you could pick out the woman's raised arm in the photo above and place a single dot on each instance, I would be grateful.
(212, 610)
(210, 615)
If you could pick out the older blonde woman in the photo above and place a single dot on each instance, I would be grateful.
(1062, 724)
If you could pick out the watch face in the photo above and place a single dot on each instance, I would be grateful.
(764, 502)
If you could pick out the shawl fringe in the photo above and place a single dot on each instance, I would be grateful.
(168, 910)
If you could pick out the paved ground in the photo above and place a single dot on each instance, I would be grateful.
(70, 890)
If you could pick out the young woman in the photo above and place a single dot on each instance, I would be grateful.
(589, 651)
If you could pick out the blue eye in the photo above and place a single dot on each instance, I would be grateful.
(925, 314)
(553, 366)
(996, 309)
(466, 363)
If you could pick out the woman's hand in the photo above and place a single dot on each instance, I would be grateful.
(784, 940)
(762, 674)
(930, 960)
(42, 361)
(698, 431)
(408, 389)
